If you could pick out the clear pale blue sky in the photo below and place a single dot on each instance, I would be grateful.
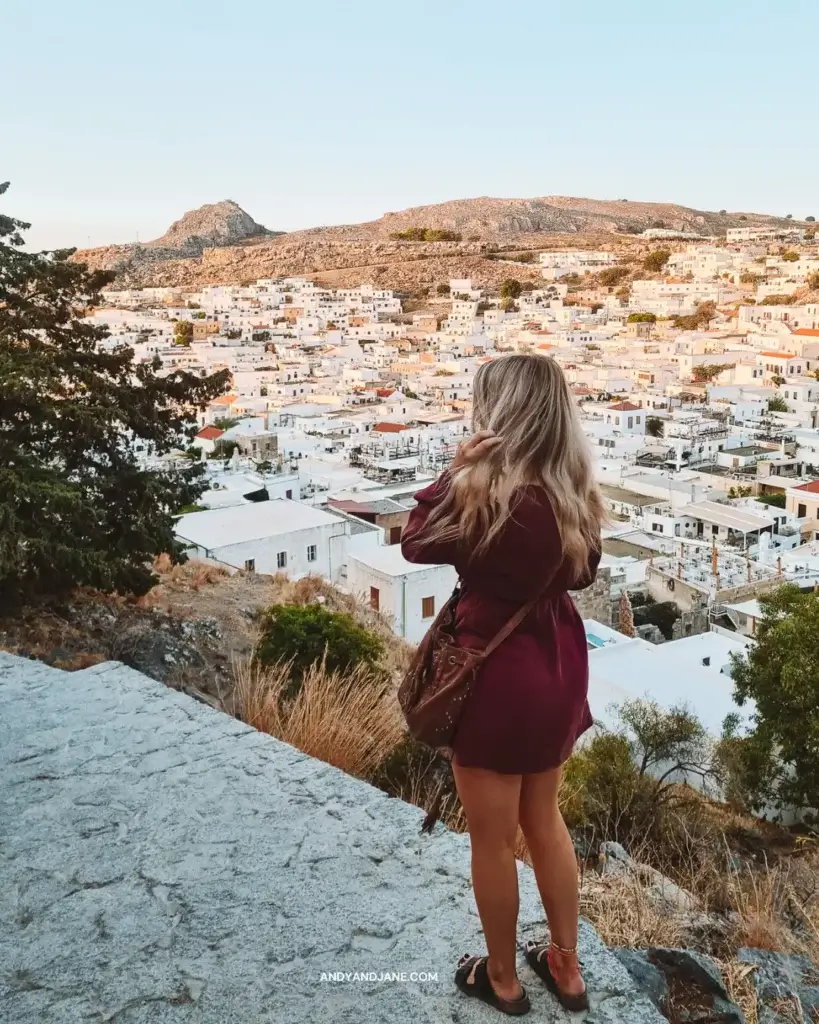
(116, 118)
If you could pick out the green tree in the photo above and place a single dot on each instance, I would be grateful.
(699, 319)
(183, 333)
(611, 276)
(790, 256)
(654, 426)
(225, 422)
(510, 288)
(708, 371)
(77, 507)
(642, 318)
(810, 220)
(655, 261)
(443, 289)
(775, 500)
(780, 674)
(813, 280)
(776, 403)
(508, 305)
(306, 634)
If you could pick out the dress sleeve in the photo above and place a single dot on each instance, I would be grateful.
(414, 546)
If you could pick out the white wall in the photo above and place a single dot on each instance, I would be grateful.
(400, 597)
(330, 552)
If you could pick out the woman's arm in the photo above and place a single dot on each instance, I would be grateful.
(414, 546)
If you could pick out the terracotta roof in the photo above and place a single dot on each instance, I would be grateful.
(807, 332)
(210, 433)
(813, 487)
(385, 392)
(390, 428)
(779, 355)
(545, 346)
(224, 400)
(625, 407)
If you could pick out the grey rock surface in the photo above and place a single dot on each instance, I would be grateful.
(647, 976)
(162, 863)
(782, 978)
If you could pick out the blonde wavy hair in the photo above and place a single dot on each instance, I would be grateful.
(526, 401)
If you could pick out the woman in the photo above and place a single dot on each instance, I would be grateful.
(518, 514)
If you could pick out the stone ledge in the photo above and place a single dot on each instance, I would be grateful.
(162, 862)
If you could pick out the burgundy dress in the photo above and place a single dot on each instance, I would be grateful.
(528, 705)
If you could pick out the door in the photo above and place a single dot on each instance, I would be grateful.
(395, 534)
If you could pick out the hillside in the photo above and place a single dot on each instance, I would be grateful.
(221, 244)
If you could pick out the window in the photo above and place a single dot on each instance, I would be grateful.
(714, 530)
(311, 553)
(375, 598)
(802, 511)
(281, 560)
(427, 607)
(288, 494)
(631, 421)
(657, 527)
(250, 565)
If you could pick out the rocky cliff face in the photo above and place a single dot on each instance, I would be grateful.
(221, 244)
(214, 224)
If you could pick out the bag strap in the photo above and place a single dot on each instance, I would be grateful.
(519, 616)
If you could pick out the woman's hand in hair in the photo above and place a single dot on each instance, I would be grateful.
(473, 450)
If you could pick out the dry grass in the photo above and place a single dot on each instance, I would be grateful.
(348, 720)
(625, 915)
(738, 978)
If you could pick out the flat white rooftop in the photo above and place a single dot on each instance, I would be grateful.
(726, 515)
(220, 527)
(670, 674)
(387, 559)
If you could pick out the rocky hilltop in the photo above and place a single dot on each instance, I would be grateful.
(214, 224)
(221, 244)
(498, 218)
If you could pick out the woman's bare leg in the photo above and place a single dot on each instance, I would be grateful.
(491, 803)
(555, 866)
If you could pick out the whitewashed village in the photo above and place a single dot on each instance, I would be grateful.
(698, 390)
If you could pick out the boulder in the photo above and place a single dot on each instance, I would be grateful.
(783, 979)
(649, 978)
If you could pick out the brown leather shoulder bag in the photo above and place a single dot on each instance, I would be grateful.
(440, 676)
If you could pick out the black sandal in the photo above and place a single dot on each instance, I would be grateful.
(538, 959)
(481, 986)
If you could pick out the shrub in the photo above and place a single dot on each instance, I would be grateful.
(655, 261)
(307, 635)
(777, 403)
(813, 280)
(611, 276)
(426, 235)
(443, 289)
(510, 288)
(642, 318)
(662, 614)
(654, 426)
(791, 256)
(776, 500)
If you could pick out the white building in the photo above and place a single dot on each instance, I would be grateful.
(269, 537)
(408, 595)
